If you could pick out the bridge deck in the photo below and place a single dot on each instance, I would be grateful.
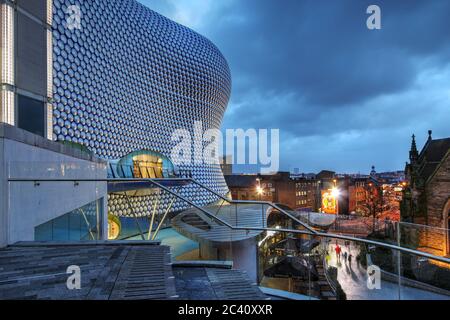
(198, 226)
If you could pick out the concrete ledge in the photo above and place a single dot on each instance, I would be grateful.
(285, 294)
(203, 264)
(85, 243)
(13, 133)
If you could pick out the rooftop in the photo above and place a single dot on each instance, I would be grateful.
(240, 181)
(19, 135)
(431, 155)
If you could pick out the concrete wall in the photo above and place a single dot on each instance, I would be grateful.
(24, 205)
(244, 255)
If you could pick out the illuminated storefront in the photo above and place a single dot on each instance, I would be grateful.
(330, 201)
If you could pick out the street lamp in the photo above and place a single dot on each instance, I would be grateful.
(259, 189)
(335, 192)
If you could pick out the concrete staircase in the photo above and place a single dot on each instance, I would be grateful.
(325, 290)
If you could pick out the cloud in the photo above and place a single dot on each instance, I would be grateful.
(343, 97)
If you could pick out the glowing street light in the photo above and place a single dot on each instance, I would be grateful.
(335, 192)
(259, 190)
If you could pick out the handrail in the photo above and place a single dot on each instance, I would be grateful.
(153, 181)
(315, 233)
(327, 276)
(255, 202)
(175, 179)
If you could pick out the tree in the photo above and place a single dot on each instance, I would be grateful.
(373, 203)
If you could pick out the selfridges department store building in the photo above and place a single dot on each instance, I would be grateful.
(124, 78)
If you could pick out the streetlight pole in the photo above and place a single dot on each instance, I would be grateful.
(259, 190)
(336, 199)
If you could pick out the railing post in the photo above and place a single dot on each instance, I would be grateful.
(399, 261)
(262, 215)
(236, 214)
(134, 215)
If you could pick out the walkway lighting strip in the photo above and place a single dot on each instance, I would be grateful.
(49, 69)
(7, 64)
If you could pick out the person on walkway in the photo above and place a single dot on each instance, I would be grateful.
(327, 258)
(338, 252)
(345, 256)
(350, 259)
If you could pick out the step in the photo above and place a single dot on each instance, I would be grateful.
(327, 294)
(203, 263)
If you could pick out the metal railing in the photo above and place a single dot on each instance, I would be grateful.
(308, 230)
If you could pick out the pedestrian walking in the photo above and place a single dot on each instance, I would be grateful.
(327, 258)
(338, 252)
(345, 256)
(350, 258)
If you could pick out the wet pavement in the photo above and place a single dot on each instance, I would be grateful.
(353, 280)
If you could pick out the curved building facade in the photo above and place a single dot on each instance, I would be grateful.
(125, 78)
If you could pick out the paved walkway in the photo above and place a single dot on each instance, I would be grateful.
(116, 270)
(201, 283)
(353, 280)
(178, 244)
(108, 270)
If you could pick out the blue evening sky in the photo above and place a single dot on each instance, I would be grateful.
(343, 97)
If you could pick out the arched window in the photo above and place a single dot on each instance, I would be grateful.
(446, 215)
(144, 164)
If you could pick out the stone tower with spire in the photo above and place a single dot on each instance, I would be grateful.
(413, 153)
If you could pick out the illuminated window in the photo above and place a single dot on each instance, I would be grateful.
(145, 164)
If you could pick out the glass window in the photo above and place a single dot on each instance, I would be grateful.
(79, 224)
(31, 115)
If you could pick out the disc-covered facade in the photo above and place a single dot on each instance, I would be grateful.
(125, 78)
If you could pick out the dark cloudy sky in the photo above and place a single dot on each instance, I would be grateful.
(344, 97)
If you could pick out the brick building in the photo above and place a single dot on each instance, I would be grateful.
(365, 195)
(307, 194)
(242, 187)
(298, 193)
(426, 199)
